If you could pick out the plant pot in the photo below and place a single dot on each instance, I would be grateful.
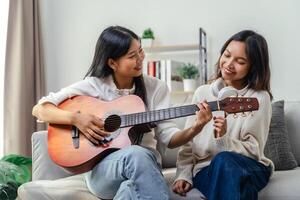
(147, 42)
(189, 85)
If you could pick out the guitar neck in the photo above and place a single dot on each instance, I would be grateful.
(164, 114)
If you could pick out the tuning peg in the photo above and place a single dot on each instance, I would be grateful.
(251, 113)
(244, 114)
(235, 116)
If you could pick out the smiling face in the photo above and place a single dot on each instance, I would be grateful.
(234, 64)
(129, 65)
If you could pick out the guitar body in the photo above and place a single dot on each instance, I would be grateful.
(126, 119)
(77, 160)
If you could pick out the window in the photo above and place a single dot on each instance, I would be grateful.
(3, 30)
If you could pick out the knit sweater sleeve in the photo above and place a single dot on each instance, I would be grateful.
(253, 133)
(83, 87)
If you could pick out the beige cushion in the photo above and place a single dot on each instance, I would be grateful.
(70, 188)
(282, 185)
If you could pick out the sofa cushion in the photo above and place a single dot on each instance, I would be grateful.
(74, 188)
(282, 185)
(278, 148)
(169, 175)
(169, 157)
(43, 168)
(70, 188)
(193, 194)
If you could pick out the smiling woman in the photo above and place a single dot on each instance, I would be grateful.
(3, 30)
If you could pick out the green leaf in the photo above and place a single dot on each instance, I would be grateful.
(8, 191)
(148, 33)
(17, 160)
(14, 171)
(188, 71)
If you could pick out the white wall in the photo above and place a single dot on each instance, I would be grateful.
(71, 28)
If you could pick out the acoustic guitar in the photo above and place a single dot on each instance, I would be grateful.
(126, 119)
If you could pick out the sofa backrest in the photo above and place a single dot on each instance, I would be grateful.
(170, 156)
(292, 116)
(43, 168)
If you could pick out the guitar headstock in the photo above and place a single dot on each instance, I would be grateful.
(238, 104)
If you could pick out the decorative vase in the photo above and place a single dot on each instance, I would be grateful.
(189, 85)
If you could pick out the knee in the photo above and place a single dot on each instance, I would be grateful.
(140, 154)
(225, 160)
(139, 159)
(223, 156)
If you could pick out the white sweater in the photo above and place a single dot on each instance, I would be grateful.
(104, 89)
(245, 135)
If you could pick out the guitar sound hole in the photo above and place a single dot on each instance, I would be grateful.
(112, 123)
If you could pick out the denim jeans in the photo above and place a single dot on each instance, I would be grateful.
(129, 173)
(232, 176)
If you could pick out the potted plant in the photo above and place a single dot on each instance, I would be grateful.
(189, 74)
(147, 37)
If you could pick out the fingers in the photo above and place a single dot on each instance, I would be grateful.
(187, 187)
(181, 187)
(219, 118)
(92, 136)
(96, 132)
(206, 106)
(220, 125)
(219, 121)
(95, 138)
(91, 127)
(97, 126)
(99, 131)
(203, 106)
(98, 122)
(177, 189)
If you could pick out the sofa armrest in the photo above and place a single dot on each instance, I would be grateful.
(43, 168)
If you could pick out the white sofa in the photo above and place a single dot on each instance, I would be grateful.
(284, 185)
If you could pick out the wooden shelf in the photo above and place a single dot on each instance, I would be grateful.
(171, 48)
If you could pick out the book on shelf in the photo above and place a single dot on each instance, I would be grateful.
(157, 69)
(166, 70)
(151, 68)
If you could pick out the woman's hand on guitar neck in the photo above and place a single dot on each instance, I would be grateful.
(203, 116)
(91, 126)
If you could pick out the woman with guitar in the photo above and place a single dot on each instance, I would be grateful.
(132, 172)
(226, 159)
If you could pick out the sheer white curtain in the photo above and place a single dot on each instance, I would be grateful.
(3, 31)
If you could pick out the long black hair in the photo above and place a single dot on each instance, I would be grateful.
(114, 42)
(257, 53)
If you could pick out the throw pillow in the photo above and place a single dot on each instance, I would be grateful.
(278, 147)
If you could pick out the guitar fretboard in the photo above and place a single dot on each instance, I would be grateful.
(164, 114)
